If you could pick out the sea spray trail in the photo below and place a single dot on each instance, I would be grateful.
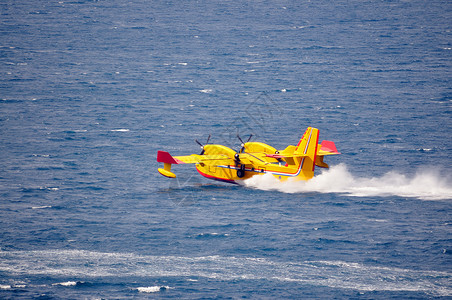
(80, 265)
(424, 185)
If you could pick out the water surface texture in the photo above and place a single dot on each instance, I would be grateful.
(91, 90)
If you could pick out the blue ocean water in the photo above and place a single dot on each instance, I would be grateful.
(91, 90)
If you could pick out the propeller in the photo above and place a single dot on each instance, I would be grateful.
(202, 146)
(243, 143)
(241, 171)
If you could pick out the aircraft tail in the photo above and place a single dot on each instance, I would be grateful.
(167, 161)
(307, 151)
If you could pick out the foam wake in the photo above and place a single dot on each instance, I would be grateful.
(79, 264)
(337, 179)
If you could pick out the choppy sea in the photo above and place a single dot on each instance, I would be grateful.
(91, 90)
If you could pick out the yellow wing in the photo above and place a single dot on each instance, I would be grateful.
(195, 158)
(165, 157)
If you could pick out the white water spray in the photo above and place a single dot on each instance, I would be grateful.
(337, 179)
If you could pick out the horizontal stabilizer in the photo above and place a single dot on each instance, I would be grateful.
(285, 156)
(328, 148)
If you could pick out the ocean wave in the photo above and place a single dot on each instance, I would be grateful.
(41, 207)
(5, 287)
(67, 283)
(152, 289)
(333, 274)
(337, 179)
(121, 130)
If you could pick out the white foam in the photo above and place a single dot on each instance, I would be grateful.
(206, 91)
(41, 207)
(67, 283)
(121, 130)
(152, 289)
(5, 287)
(334, 274)
(41, 155)
(424, 185)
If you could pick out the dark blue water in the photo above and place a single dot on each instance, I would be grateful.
(90, 90)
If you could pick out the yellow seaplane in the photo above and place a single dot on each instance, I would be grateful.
(221, 163)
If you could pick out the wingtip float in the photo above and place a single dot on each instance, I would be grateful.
(221, 163)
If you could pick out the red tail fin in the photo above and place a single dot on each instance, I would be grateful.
(165, 157)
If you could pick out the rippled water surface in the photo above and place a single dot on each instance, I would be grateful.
(91, 90)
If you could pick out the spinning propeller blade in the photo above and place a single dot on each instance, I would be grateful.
(238, 136)
(202, 146)
(243, 143)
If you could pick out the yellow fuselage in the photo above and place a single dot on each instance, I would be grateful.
(255, 163)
